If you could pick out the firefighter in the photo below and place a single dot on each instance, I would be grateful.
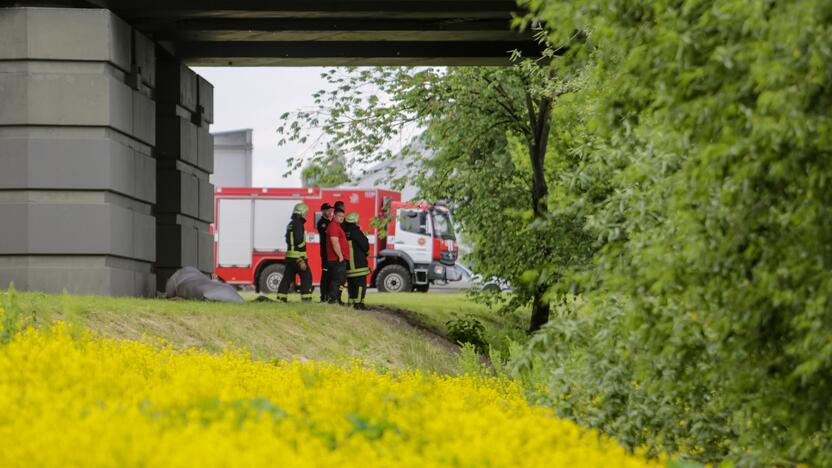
(296, 257)
(357, 266)
(337, 253)
(323, 223)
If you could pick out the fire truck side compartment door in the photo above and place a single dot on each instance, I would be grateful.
(270, 220)
(234, 233)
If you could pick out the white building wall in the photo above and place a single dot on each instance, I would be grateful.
(233, 158)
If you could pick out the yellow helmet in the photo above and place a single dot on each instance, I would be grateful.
(300, 209)
(352, 218)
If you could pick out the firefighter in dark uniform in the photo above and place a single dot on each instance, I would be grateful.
(357, 266)
(296, 257)
(323, 223)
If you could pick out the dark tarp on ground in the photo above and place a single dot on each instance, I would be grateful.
(190, 283)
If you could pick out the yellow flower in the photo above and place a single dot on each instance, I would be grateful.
(69, 398)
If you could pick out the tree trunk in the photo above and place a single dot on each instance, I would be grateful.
(540, 193)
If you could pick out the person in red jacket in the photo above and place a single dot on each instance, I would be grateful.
(337, 253)
(323, 223)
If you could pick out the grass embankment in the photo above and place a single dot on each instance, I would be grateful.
(268, 330)
(436, 310)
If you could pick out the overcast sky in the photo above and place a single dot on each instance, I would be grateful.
(255, 98)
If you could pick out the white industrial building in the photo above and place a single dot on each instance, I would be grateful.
(233, 158)
(381, 175)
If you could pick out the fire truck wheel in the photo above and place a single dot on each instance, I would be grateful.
(270, 278)
(394, 278)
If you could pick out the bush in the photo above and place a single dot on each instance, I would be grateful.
(700, 151)
(468, 330)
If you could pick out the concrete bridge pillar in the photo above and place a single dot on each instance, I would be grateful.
(185, 160)
(81, 167)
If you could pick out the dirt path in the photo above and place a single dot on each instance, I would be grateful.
(402, 318)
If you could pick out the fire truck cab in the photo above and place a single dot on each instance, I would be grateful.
(421, 249)
(417, 246)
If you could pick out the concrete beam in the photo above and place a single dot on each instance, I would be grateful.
(64, 34)
(76, 223)
(180, 84)
(205, 149)
(205, 101)
(184, 189)
(72, 158)
(262, 53)
(110, 276)
(144, 58)
(88, 94)
(336, 29)
(195, 246)
(328, 32)
(177, 139)
(182, 241)
(138, 11)
(177, 191)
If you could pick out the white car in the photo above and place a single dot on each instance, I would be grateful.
(471, 280)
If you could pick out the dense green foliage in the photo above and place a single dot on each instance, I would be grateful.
(477, 123)
(700, 155)
(686, 246)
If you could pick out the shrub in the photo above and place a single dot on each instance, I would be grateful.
(700, 148)
(468, 330)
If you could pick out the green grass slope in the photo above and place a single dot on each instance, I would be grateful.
(435, 310)
(268, 330)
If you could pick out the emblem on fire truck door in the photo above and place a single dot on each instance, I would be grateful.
(422, 241)
(354, 198)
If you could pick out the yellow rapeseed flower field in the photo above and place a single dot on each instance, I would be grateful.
(69, 398)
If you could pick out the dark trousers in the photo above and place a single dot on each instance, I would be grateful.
(291, 270)
(357, 289)
(324, 287)
(337, 276)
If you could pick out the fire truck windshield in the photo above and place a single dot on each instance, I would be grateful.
(442, 226)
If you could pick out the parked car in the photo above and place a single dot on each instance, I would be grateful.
(471, 280)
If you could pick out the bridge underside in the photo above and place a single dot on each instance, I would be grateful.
(328, 32)
(105, 149)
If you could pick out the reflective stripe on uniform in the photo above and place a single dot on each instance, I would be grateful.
(359, 272)
(353, 272)
(292, 253)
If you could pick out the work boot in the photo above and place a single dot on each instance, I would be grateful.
(282, 299)
(360, 306)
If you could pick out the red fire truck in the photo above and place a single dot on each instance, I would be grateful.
(249, 233)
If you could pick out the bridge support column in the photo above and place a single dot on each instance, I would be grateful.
(185, 159)
(77, 133)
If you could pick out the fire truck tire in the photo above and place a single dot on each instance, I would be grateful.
(423, 288)
(270, 278)
(394, 278)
